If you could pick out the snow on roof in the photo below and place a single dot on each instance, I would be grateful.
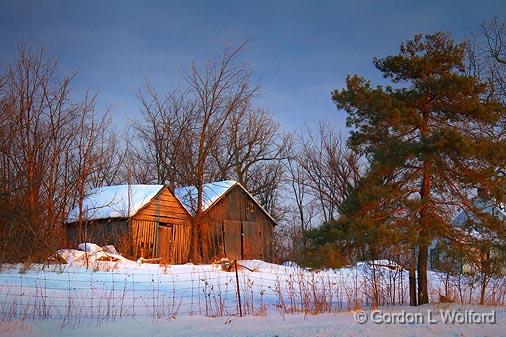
(120, 201)
(211, 192)
(123, 201)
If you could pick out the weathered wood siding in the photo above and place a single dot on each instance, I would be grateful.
(102, 232)
(162, 229)
(237, 228)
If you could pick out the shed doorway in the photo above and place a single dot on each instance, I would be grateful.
(165, 235)
(242, 240)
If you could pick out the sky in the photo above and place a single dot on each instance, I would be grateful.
(299, 50)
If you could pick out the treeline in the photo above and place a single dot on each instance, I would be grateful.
(420, 149)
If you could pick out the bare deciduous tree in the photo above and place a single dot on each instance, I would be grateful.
(330, 168)
(183, 131)
(251, 150)
(49, 147)
(165, 138)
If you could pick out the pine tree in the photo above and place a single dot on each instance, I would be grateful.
(431, 132)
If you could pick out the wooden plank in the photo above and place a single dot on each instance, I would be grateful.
(165, 243)
(252, 240)
(166, 214)
(143, 238)
(159, 204)
(173, 220)
(232, 235)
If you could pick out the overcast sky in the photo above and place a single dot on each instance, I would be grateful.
(300, 50)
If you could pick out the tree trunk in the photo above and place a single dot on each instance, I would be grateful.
(423, 296)
(195, 243)
(412, 284)
(196, 251)
(485, 273)
(424, 231)
(482, 292)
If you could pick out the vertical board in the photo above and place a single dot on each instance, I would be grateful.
(232, 236)
(165, 243)
(253, 242)
(169, 242)
(144, 238)
(223, 228)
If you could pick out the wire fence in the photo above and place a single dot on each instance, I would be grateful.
(107, 295)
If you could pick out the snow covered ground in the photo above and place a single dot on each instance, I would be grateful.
(337, 324)
(111, 286)
(110, 295)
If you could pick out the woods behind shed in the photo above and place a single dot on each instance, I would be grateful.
(151, 221)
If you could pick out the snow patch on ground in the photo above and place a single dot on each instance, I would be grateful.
(89, 247)
(324, 325)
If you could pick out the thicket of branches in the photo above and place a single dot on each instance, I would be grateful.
(53, 148)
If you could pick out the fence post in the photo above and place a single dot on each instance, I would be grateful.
(238, 290)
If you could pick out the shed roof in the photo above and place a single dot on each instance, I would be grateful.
(187, 195)
(124, 201)
(212, 193)
(119, 201)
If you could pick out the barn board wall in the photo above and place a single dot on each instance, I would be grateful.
(102, 232)
(228, 213)
(165, 209)
(235, 210)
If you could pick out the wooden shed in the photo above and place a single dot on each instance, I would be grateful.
(147, 218)
(235, 224)
(154, 222)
